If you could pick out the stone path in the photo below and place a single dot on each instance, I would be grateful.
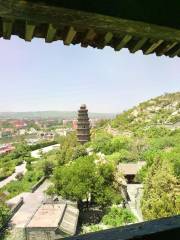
(22, 168)
(37, 153)
(19, 169)
(32, 201)
(135, 193)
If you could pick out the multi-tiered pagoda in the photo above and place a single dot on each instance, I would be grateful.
(83, 125)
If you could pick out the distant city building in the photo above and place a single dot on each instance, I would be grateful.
(93, 122)
(62, 131)
(22, 132)
(19, 124)
(83, 125)
(7, 132)
(46, 135)
(74, 124)
(32, 131)
(33, 141)
(6, 148)
(66, 122)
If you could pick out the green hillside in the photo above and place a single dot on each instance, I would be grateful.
(163, 110)
(149, 132)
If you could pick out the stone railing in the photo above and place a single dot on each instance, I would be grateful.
(17, 207)
(160, 229)
(38, 184)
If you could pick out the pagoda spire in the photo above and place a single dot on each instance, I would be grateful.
(83, 125)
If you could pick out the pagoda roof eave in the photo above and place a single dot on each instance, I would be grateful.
(52, 22)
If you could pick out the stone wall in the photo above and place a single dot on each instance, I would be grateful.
(16, 234)
(40, 234)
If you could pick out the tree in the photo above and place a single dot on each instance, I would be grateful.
(160, 198)
(79, 151)
(84, 180)
(76, 180)
(68, 144)
(119, 143)
(48, 168)
(102, 143)
(65, 155)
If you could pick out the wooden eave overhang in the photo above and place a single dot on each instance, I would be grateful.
(52, 22)
(159, 229)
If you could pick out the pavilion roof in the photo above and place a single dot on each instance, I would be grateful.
(150, 26)
(130, 168)
(53, 216)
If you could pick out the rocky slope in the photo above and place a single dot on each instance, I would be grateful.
(163, 110)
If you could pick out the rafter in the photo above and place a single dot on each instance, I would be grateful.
(53, 22)
(123, 42)
(138, 45)
(175, 53)
(70, 36)
(7, 28)
(152, 47)
(51, 33)
(107, 38)
(29, 31)
(166, 48)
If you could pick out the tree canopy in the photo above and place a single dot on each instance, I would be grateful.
(84, 180)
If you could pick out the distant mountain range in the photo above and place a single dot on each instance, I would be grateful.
(51, 115)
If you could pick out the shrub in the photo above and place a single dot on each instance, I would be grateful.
(79, 151)
(47, 168)
(118, 216)
(19, 176)
(4, 213)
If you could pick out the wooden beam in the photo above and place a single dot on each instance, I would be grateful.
(70, 36)
(166, 48)
(51, 33)
(175, 53)
(152, 47)
(7, 28)
(138, 45)
(89, 37)
(123, 42)
(107, 38)
(91, 34)
(159, 229)
(29, 31)
(104, 40)
(43, 13)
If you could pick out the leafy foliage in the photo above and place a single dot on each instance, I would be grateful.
(83, 179)
(153, 138)
(47, 168)
(4, 213)
(160, 197)
(116, 217)
(25, 183)
(68, 144)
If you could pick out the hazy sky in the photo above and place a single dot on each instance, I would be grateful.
(40, 76)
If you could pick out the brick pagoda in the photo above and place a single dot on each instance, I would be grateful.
(83, 125)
